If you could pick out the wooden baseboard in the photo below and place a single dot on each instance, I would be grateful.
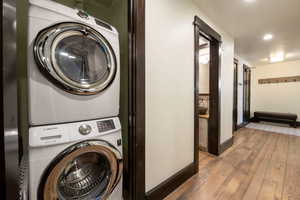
(226, 145)
(168, 186)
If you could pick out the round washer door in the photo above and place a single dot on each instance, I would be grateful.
(76, 57)
(85, 171)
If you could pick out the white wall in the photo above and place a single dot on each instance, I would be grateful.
(170, 87)
(240, 106)
(280, 97)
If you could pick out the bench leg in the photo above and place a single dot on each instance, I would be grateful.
(255, 119)
(293, 124)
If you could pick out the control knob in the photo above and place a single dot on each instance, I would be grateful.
(85, 129)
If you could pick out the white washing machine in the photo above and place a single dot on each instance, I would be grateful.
(73, 65)
(81, 161)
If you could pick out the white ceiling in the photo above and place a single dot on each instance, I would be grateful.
(248, 22)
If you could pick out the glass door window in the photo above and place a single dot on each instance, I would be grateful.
(78, 57)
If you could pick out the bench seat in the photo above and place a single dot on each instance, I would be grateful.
(288, 118)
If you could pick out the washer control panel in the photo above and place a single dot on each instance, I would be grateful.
(106, 125)
(72, 132)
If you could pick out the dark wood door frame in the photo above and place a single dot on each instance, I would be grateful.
(204, 30)
(235, 95)
(2, 149)
(246, 94)
(134, 171)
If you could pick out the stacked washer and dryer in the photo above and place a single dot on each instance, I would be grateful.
(75, 142)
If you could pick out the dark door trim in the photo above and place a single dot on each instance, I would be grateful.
(246, 93)
(2, 148)
(235, 95)
(197, 47)
(134, 172)
(202, 29)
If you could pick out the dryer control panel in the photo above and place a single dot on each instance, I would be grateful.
(72, 132)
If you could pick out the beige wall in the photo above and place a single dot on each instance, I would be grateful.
(170, 86)
(226, 86)
(281, 97)
(204, 78)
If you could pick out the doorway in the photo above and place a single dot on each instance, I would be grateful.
(207, 91)
(247, 94)
(235, 95)
(204, 93)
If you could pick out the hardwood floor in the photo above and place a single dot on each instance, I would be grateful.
(260, 165)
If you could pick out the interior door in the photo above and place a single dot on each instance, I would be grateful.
(235, 94)
(247, 93)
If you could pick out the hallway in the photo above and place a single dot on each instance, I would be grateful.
(260, 165)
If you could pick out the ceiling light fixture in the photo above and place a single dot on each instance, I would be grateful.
(249, 1)
(278, 57)
(268, 36)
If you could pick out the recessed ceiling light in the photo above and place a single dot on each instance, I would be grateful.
(278, 57)
(268, 36)
(249, 1)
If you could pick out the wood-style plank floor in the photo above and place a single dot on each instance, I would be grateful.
(260, 165)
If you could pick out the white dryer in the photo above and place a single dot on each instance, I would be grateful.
(73, 65)
(81, 161)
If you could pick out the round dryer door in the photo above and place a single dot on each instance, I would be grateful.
(85, 171)
(77, 58)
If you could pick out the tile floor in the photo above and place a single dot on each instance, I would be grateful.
(274, 128)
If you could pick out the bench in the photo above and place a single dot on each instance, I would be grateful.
(287, 118)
